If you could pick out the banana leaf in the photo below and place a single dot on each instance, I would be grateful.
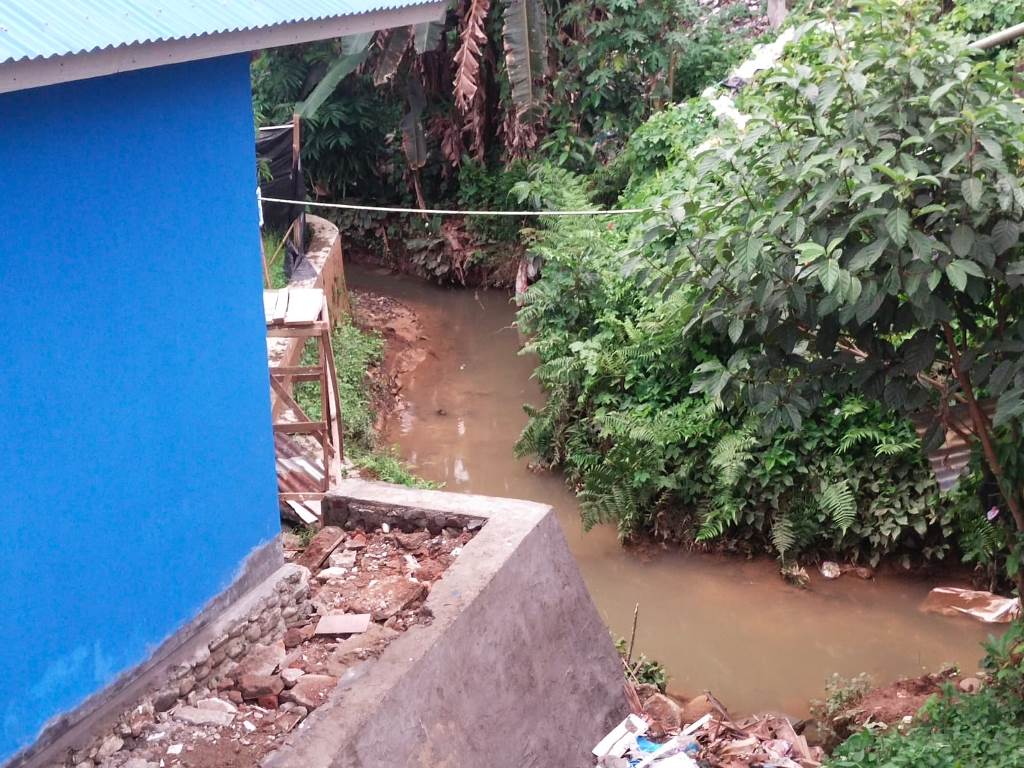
(525, 36)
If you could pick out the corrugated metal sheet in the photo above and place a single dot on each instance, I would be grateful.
(33, 29)
(951, 459)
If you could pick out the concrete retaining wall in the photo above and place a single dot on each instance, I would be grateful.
(322, 266)
(517, 669)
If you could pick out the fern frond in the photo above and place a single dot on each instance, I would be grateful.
(838, 502)
(783, 535)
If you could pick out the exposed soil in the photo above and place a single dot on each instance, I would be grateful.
(405, 347)
(892, 703)
(386, 574)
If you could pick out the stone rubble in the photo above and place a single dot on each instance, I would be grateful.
(240, 695)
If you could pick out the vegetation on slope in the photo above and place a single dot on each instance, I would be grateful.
(738, 365)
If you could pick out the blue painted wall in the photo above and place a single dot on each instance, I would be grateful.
(137, 469)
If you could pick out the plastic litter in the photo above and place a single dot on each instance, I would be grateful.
(984, 606)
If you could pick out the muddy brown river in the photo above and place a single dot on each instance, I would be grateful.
(728, 625)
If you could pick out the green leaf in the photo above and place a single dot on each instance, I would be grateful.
(810, 251)
(525, 36)
(868, 255)
(956, 274)
(1005, 235)
(829, 274)
(897, 223)
(735, 329)
(334, 75)
(972, 189)
(962, 240)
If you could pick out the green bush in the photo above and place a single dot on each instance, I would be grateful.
(959, 731)
(626, 342)
(955, 730)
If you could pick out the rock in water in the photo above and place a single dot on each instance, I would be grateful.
(830, 570)
(665, 715)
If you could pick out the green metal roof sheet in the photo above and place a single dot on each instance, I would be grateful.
(39, 29)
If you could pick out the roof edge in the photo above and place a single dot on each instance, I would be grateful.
(34, 73)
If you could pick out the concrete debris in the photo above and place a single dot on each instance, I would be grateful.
(175, 749)
(310, 691)
(343, 624)
(984, 606)
(388, 596)
(217, 705)
(332, 573)
(344, 558)
(197, 716)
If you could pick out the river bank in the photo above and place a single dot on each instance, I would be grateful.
(720, 623)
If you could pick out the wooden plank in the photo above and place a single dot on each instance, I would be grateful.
(301, 427)
(302, 495)
(304, 306)
(281, 307)
(287, 399)
(295, 370)
(299, 332)
(326, 541)
(302, 512)
(269, 302)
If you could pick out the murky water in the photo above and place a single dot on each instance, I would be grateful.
(728, 625)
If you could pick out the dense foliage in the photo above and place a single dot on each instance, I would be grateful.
(733, 366)
(436, 116)
(955, 730)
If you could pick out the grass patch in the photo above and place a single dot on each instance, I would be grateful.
(355, 351)
(385, 465)
(273, 248)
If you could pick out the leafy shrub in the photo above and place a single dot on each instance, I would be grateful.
(983, 730)
(636, 377)
(640, 669)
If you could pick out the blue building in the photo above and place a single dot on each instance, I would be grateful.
(136, 472)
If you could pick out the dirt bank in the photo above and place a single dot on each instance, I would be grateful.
(405, 347)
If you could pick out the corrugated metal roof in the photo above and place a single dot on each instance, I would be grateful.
(38, 29)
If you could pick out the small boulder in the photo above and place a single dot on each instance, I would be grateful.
(110, 745)
(830, 570)
(296, 636)
(291, 676)
(664, 715)
(387, 597)
(644, 691)
(356, 541)
(412, 541)
(970, 685)
(253, 686)
(217, 705)
(261, 660)
(310, 691)
(696, 708)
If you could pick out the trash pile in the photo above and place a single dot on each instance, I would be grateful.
(654, 736)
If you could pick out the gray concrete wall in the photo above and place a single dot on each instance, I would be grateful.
(517, 669)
